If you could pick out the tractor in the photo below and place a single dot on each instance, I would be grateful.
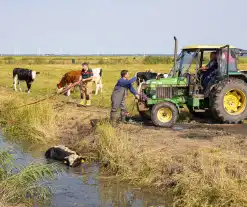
(224, 97)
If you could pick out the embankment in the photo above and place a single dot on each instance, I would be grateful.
(199, 166)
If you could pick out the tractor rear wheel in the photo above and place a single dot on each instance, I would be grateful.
(228, 101)
(164, 114)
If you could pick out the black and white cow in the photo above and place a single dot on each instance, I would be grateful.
(144, 76)
(64, 154)
(22, 74)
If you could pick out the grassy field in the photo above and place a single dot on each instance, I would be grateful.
(45, 84)
(202, 165)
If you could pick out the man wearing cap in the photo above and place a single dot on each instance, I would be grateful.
(86, 85)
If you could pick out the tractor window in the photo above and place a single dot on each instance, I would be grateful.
(222, 60)
(184, 61)
(232, 63)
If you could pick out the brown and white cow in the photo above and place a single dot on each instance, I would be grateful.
(68, 79)
(72, 77)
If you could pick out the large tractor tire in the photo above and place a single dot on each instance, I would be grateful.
(164, 114)
(228, 101)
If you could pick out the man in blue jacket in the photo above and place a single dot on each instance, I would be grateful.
(119, 95)
(209, 69)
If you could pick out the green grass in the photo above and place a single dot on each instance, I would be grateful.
(45, 84)
(24, 185)
(192, 176)
(32, 124)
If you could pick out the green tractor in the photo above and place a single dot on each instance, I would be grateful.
(225, 96)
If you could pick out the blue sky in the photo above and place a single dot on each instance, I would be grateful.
(119, 26)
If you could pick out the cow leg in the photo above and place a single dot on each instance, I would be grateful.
(19, 84)
(101, 88)
(29, 87)
(15, 82)
(68, 93)
(101, 85)
(97, 88)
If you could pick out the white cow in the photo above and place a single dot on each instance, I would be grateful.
(97, 79)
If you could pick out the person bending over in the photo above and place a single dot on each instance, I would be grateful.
(119, 95)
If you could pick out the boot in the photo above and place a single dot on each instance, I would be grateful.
(123, 117)
(88, 102)
(82, 103)
(113, 119)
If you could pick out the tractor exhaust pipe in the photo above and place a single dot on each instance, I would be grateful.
(175, 51)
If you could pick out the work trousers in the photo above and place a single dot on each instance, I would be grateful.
(118, 99)
(86, 90)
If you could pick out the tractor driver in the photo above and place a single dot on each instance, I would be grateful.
(209, 69)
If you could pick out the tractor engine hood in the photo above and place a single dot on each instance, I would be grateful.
(170, 81)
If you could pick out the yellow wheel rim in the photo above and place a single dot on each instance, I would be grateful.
(164, 115)
(235, 102)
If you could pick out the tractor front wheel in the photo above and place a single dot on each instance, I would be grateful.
(164, 114)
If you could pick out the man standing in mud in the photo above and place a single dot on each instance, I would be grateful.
(119, 95)
(86, 85)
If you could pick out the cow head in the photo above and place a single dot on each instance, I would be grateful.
(59, 88)
(165, 75)
(159, 76)
(73, 160)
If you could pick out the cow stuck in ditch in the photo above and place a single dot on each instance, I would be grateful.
(64, 154)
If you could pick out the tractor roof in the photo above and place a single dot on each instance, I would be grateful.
(209, 47)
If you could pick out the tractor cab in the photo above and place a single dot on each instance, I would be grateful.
(193, 58)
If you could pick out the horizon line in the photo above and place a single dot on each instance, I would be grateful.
(120, 54)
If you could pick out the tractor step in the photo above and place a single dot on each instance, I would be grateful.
(199, 96)
(199, 110)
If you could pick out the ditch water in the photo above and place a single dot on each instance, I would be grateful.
(82, 187)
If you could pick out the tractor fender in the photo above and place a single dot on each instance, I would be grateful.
(174, 102)
(242, 77)
(209, 90)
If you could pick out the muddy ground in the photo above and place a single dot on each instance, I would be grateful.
(187, 135)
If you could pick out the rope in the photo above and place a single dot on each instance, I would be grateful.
(49, 97)
(133, 106)
(63, 91)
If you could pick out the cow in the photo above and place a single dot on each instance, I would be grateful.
(64, 154)
(74, 76)
(23, 74)
(97, 79)
(144, 76)
(68, 79)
